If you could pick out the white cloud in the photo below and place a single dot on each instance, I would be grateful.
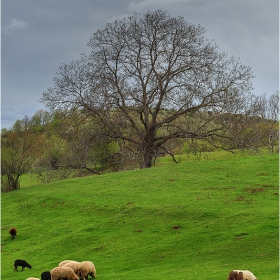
(14, 25)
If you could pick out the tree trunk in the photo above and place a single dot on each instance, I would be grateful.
(147, 159)
(13, 181)
(148, 151)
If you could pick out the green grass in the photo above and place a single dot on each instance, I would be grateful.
(226, 210)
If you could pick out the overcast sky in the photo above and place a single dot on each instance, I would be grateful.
(39, 35)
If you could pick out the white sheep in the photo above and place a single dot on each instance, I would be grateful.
(84, 270)
(91, 268)
(241, 275)
(62, 272)
(32, 278)
(74, 265)
(65, 262)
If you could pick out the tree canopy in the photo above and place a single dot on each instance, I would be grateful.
(159, 76)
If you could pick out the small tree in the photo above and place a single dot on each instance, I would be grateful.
(18, 149)
(145, 75)
(258, 127)
(269, 127)
(73, 144)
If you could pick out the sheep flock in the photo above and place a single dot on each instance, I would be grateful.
(74, 270)
(68, 270)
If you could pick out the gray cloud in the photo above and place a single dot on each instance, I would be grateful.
(37, 36)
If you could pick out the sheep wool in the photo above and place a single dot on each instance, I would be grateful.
(91, 268)
(32, 278)
(63, 272)
(241, 275)
(75, 266)
(65, 262)
(84, 271)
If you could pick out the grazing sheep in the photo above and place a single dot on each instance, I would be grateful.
(62, 272)
(241, 275)
(91, 268)
(32, 278)
(21, 263)
(84, 271)
(13, 232)
(65, 262)
(46, 275)
(74, 265)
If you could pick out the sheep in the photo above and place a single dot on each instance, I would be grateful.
(13, 232)
(84, 271)
(32, 278)
(21, 263)
(65, 262)
(91, 268)
(74, 265)
(62, 272)
(46, 275)
(241, 275)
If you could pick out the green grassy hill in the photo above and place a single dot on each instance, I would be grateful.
(194, 220)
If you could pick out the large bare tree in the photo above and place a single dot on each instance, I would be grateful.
(151, 78)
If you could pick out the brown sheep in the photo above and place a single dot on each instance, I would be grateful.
(91, 268)
(65, 262)
(241, 275)
(74, 265)
(13, 232)
(63, 273)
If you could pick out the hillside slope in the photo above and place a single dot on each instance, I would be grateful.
(194, 220)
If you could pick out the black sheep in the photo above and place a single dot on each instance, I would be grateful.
(13, 232)
(46, 275)
(21, 263)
